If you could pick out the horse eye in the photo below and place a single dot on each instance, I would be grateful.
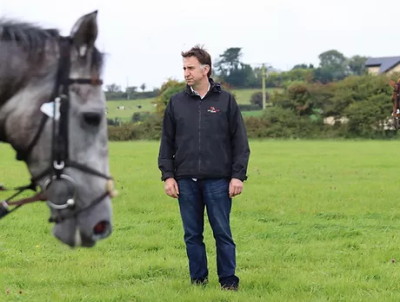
(92, 118)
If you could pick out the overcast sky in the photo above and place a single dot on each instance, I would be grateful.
(143, 39)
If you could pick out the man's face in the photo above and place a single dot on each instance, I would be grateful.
(194, 72)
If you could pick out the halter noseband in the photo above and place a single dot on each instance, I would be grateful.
(60, 155)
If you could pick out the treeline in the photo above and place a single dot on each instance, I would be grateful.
(115, 92)
(333, 66)
(230, 70)
(357, 106)
(335, 99)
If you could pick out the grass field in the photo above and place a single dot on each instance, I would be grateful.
(243, 96)
(129, 107)
(257, 113)
(318, 221)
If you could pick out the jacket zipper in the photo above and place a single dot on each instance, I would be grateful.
(200, 133)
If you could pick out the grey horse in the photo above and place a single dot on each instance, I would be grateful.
(52, 112)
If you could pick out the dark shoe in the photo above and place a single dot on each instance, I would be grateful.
(230, 287)
(229, 283)
(200, 281)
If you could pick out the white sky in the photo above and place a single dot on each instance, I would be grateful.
(143, 39)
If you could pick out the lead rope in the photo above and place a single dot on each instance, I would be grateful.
(5, 205)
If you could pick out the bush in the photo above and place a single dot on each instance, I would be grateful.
(256, 99)
(256, 127)
(149, 129)
(123, 132)
(278, 122)
(368, 118)
(140, 116)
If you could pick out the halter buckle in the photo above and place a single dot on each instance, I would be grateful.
(58, 166)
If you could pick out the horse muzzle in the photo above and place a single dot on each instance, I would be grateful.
(87, 227)
(77, 224)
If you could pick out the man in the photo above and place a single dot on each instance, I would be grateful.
(203, 159)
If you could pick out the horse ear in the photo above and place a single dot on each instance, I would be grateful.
(84, 32)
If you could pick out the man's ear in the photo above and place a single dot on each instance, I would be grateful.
(206, 68)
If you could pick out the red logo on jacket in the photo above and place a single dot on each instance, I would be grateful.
(213, 110)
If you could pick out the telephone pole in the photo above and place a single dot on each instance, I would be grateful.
(126, 90)
(263, 78)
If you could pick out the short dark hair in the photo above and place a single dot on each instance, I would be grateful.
(201, 54)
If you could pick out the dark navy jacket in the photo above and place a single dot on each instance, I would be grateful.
(203, 138)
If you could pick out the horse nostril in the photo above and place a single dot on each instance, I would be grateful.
(92, 118)
(102, 228)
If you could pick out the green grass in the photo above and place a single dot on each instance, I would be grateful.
(130, 107)
(317, 221)
(243, 96)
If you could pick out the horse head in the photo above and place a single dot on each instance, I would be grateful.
(52, 111)
(395, 96)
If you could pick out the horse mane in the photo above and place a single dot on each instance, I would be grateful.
(28, 36)
(33, 39)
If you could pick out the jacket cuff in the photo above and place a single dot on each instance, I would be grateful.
(167, 175)
(241, 177)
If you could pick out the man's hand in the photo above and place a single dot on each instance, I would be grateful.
(171, 187)
(235, 187)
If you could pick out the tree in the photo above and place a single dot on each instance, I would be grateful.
(332, 58)
(357, 65)
(130, 92)
(113, 88)
(257, 99)
(167, 90)
(143, 87)
(234, 72)
(229, 61)
(303, 66)
(333, 66)
(299, 74)
(113, 92)
(131, 89)
(242, 77)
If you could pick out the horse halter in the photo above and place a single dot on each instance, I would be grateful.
(396, 97)
(60, 155)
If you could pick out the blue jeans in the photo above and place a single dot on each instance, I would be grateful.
(212, 195)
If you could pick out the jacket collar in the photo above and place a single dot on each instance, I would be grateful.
(214, 87)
